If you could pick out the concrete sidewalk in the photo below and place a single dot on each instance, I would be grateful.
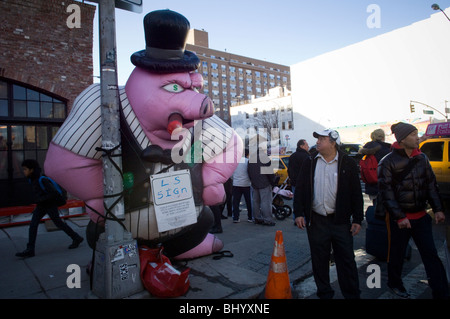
(241, 276)
(45, 275)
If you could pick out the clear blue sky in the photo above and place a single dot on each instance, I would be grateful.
(284, 31)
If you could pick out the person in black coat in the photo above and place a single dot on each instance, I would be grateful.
(407, 185)
(296, 161)
(378, 147)
(45, 205)
(262, 178)
(328, 201)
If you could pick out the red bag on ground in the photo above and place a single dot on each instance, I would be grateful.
(158, 275)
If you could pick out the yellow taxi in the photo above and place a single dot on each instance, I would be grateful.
(437, 148)
(280, 164)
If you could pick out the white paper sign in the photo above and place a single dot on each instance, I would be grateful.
(173, 200)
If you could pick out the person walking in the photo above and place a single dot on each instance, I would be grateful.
(241, 186)
(262, 182)
(228, 187)
(328, 202)
(296, 160)
(46, 204)
(407, 184)
(379, 148)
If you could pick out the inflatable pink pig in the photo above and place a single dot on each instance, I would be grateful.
(166, 125)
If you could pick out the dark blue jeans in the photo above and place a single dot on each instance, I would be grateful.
(422, 234)
(237, 195)
(53, 213)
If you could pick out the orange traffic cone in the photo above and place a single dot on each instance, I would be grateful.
(278, 286)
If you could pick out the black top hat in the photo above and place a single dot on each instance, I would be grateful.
(165, 36)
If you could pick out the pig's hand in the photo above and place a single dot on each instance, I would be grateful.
(218, 170)
(214, 195)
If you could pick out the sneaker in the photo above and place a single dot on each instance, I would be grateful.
(26, 253)
(250, 220)
(236, 220)
(76, 242)
(401, 292)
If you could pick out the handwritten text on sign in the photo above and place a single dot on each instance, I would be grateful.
(173, 200)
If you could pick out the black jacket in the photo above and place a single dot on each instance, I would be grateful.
(295, 164)
(257, 179)
(349, 198)
(414, 191)
(44, 198)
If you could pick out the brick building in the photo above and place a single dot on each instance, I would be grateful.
(45, 62)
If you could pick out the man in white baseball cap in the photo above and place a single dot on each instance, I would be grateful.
(332, 134)
(328, 202)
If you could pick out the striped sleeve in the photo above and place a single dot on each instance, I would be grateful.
(81, 132)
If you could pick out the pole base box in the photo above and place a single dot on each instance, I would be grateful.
(116, 269)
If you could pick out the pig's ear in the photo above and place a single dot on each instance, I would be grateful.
(197, 80)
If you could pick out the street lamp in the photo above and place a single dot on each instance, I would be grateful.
(435, 6)
(411, 105)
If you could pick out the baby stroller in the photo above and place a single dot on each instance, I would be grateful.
(279, 209)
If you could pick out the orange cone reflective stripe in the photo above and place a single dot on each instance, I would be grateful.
(278, 285)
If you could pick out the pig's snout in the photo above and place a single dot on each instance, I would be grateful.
(207, 108)
(177, 120)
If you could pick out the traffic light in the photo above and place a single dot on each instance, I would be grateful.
(412, 108)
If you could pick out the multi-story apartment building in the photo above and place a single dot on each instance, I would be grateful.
(232, 79)
(270, 116)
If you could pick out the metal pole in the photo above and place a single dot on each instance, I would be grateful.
(115, 249)
(444, 115)
(112, 179)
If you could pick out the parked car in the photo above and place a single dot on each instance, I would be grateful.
(281, 163)
(352, 151)
(437, 148)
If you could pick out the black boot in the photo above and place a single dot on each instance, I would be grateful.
(26, 253)
(76, 242)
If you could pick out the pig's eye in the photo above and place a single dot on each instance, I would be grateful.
(173, 87)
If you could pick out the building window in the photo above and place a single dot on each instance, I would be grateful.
(4, 99)
(29, 119)
(32, 104)
(290, 125)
